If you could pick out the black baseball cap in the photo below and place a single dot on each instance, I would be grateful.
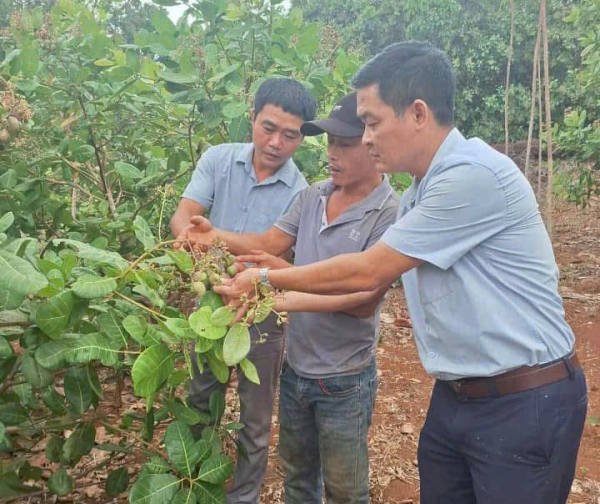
(342, 120)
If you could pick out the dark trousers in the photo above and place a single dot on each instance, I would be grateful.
(514, 449)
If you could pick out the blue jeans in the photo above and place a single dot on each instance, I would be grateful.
(519, 448)
(323, 436)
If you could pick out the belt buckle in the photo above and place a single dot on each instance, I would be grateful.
(455, 385)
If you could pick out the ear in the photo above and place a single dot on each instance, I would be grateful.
(421, 113)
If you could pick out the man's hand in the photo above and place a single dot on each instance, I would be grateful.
(243, 283)
(199, 235)
(261, 259)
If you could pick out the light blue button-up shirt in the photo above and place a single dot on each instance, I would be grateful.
(486, 299)
(224, 181)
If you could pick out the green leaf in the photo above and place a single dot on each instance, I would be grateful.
(6, 221)
(212, 300)
(180, 327)
(181, 447)
(11, 486)
(93, 346)
(187, 415)
(235, 109)
(78, 444)
(91, 253)
(60, 483)
(209, 494)
(216, 470)
(117, 482)
(92, 286)
(9, 179)
(151, 369)
(218, 368)
(36, 375)
(136, 327)
(201, 325)
(53, 355)
(111, 325)
(6, 350)
(154, 489)
(10, 300)
(239, 129)
(162, 23)
(249, 370)
(128, 171)
(52, 317)
(29, 60)
(143, 232)
(19, 276)
(183, 260)
(177, 78)
(148, 292)
(222, 316)
(77, 390)
(236, 344)
(216, 405)
(13, 414)
(54, 401)
(185, 496)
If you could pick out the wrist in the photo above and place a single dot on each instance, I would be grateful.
(263, 278)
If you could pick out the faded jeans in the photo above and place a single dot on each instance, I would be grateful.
(323, 436)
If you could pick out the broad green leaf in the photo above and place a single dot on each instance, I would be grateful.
(177, 78)
(216, 469)
(209, 494)
(151, 369)
(222, 316)
(156, 465)
(13, 414)
(11, 487)
(6, 350)
(52, 316)
(202, 345)
(162, 23)
(186, 414)
(236, 344)
(29, 60)
(6, 221)
(19, 276)
(54, 401)
(249, 370)
(53, 355)
(181, 447)
(234, 110)
(143, 232)
(185, 496)
(148, 292)
(77, 390)
(239, 129)
(111, 325)
(93, 346)
(201, 325)
(119, 73)
(180, 327)
(91, 253)
(9, 179)
(212, 300)
(128, 171)
(10, 300)
(117, 482)
(154, 489)
(218, 368)
(92, 286)
(36, 375)
(216, 405)
(94, 381)
(79, 443)
(136, 327)
(60, 483)
(183, 260)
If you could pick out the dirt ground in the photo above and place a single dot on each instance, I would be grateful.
(405, 387)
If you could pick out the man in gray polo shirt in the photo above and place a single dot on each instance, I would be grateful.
(329, 381)
(509, 403)
(247, 187)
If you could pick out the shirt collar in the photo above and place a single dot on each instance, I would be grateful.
(374, 201)
(450, 143)
(285, 174)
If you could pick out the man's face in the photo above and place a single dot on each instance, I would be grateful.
(389, 138)
(276, 136)
(350, 163)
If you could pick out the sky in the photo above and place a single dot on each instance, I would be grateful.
(177, 10)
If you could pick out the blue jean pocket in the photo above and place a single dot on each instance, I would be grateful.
(340, 386)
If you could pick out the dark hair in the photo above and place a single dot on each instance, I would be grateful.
(289, 95)
(411, 70)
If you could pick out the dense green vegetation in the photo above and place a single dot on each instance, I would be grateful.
(104, 110)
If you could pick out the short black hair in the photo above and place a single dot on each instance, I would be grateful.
(408, 71)
(289, 95)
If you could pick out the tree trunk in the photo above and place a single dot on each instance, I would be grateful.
(534, 85)
(509, 60)
(549, 194)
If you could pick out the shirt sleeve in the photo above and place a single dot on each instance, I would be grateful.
(201, 188)
(299, 186)
(290, 221)
(460, 208)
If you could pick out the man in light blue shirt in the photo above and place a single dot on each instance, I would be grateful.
(509, 403)
(246, 188)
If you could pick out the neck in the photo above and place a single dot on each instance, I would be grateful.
(261, 171)
(431, 143)
(361, 189)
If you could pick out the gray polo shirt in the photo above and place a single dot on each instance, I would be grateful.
(322, 345)
(486, 299)
(224, 181)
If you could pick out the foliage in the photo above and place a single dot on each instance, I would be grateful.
(98, 135)
(578, 137)
(475, 35)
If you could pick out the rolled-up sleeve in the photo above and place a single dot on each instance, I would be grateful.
(460, 208)
(201, 188)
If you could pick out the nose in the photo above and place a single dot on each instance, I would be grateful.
(366, 138)
(275, 141)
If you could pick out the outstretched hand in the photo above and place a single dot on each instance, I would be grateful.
(233, 289)
(199, 235)
(260, 259)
